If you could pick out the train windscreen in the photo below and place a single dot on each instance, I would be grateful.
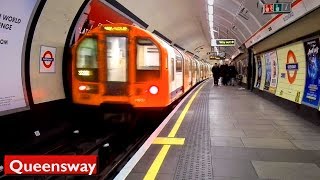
(87, 62)
(148, 60)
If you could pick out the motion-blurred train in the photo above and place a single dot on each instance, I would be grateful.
(122, 66)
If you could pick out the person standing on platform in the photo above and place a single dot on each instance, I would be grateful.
(216, 73)
(232, 73)
(224, 73)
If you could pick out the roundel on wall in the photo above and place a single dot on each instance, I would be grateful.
(291, 66)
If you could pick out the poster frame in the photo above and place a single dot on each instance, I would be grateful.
(306, 73)
(23, 64)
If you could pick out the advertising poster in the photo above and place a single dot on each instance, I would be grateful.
(292, 72)
(96, 13)
(263, 71)
(311, 89)
(268, 72)
(258, 72)
(14, 19)
(272, 71)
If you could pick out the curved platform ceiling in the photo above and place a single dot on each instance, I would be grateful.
(185, 22)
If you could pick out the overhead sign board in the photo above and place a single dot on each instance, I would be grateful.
(223, 42)
(212, 53)
(215, 57)
(277, 8)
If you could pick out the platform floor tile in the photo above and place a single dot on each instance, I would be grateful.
(307, 144)
(267, 143)
(234, 168)
(226, 141)
(287, 170)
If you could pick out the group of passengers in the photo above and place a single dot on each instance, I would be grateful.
(226, 72)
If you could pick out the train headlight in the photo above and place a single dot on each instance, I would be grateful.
(88, 88)
(154, 90)
(82, 88)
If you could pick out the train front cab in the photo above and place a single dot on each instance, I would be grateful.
(117, 66)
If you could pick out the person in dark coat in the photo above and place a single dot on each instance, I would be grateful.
(232, 73)
(216, 73)
(224, 74)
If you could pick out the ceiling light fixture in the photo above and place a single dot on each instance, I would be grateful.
(210, 9)
(210, 17)
(210, 2)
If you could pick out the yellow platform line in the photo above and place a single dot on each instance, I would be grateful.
(177, 125)
(169, 141)
(153, 170)
(155, 167)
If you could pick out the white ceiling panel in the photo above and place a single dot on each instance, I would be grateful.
(185, 22)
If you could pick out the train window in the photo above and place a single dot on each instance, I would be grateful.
(87, 54)
(116, 59)
(179, 64)
(148, 56)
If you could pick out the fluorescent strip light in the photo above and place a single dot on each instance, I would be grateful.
(210, 17)
(211, 24)
(210, 9)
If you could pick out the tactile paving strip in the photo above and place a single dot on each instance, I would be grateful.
(195, 159)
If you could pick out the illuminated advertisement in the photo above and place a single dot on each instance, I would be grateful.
(263, 71)
(268, 72)
(258, 71)
(96, 13)
(271, 72)
(14, 19)
(292, 71)
(311, 89)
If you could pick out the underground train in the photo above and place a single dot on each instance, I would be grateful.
(120, 66)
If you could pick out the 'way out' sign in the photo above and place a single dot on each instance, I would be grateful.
(223, 42)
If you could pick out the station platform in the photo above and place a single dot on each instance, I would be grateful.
(224, 133)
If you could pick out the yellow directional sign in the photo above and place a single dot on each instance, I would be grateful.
(215, 57)
(223, 42)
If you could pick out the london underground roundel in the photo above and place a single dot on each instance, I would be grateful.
(291, 66)
(47, 59)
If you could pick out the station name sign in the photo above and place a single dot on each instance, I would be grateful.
(277, 8)
(292, 67)
(223, 42)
